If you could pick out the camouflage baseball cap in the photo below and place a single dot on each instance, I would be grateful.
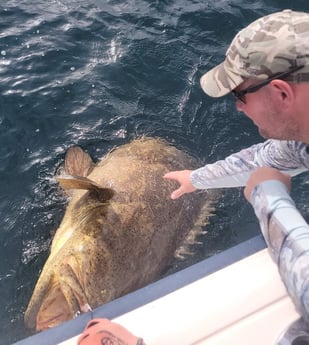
(270, 45)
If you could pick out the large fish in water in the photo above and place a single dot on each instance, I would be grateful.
(119, 232)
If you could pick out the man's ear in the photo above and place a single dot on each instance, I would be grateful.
(282, 92)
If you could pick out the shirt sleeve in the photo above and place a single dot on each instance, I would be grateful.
(287, 236)
(289, 156)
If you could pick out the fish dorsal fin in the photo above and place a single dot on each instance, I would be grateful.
(79, 182)
(78, 162)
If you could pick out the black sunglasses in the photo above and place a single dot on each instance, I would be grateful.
(240, 94)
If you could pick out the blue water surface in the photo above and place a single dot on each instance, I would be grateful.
(98, 74)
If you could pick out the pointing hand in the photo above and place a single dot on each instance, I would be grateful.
(183, 178)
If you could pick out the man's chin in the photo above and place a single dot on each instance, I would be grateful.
(264, 134)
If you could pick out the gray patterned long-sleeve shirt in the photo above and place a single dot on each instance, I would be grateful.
(287, 235)
(291, 157)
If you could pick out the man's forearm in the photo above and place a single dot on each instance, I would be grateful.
(287, 236)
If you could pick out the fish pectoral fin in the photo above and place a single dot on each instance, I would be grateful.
(78, 182)
(78, 162)
(73, 291)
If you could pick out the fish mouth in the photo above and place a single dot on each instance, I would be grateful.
(50, 322)
(53, 311)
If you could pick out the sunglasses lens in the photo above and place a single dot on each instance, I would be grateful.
(242, 99)
(239, 97)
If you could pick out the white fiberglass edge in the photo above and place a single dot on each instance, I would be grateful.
(244, 303)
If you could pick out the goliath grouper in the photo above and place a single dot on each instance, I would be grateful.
(120, 230)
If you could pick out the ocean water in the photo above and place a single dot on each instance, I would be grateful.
(98, 74)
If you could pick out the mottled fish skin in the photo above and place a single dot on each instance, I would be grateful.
(120, 229)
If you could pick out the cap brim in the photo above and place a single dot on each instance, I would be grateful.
(220, 80)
